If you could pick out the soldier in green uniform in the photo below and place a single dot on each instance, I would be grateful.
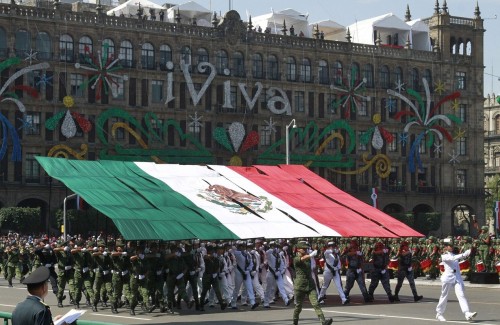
(175, 278)
(65, 269)
(103, 263)
(304, 284)
(484, 247)
(156, 278)
(121, 275)
(12, 261)
(76, 284)
(210, 277)
(2, 253)
(192, 258)
(138, 286)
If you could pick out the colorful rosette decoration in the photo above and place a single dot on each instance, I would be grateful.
(70, 120)
(236, 140)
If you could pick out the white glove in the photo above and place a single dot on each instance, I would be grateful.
(253, 273)
(410, 269)
(359, 270)
(95, 249)
(105, 253)
(385, 250)
(84, 249)
(466, 253)
(66, 248)
(179, 276)
(192, 273)
(383, 271)
(214, 275)
(359, 253)
(313, 253)
(124, 253)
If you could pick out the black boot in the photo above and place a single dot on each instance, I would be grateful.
(132, 311)
(417, 298)
(328, 321)
(59, 303)
(113, 308)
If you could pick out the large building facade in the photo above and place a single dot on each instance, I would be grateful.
(380, 118)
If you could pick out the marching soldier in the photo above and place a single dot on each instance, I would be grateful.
(157, 276)
(121, 275)
(275, 272)
(244, 266)
(12, 261)
(193, 260)
(484, 247)
(331, 273)
(380, 258)
(355, 271)
(103, 284)
(175, 278)
(65, 270)
(405, 271)
(211, 278)
(47, 257)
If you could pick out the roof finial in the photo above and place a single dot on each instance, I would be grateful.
(348, 35)
(477, 12)
(284, 30)
(408, 43)
(408, 13)
(178, 16)
(378, 40)
(215, 21)
(250, 26)
(436, 8)
(316, 31)
(445, 8)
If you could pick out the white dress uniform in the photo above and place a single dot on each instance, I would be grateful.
(287, 276)
(450, 278)
(332, 273)
(276, 270)
(244, 266)
(254, 274)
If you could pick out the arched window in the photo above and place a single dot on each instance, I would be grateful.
(203, 55)
(108, 49)
(185, 56)
(43, 46)
(338, 73)
(148, 56)
(165, 56)
(126, 54)
(368, 75)
(272, 67)
(385, 77)
(453, 45)
(398, 76)
(238, 65)
(291, 69)
(305, 70)
(415, 79)
(460, 46)
(428, 76)
(85, 49)
(3, 43)
(468, 48)
(66, 52)
(221, 61)
(23, 43)
(323, 75)
(257, 66)
(497, 124)
(355, 72)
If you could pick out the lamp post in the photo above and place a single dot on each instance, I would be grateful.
(64, 212)
(287, 140)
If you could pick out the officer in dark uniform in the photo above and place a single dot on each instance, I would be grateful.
(33, 310)
(211, 277)
(47, 258)
(380, 258)
(406, 271)
(355, 271)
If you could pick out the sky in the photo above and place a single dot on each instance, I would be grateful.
(350, 11)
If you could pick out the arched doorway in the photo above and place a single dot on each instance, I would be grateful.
(393, 208)
(37, 203)
(425, 219)
(463, 219)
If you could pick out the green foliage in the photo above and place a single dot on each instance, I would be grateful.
(492, 195)
(85, 222)
(406, 218)
(22, 220)
(427, 222)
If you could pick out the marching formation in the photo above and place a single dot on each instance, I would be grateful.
(168, 276)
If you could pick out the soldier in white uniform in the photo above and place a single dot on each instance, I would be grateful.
(276, 270)
(287, 276)
(254, 275)
(450, 278)
(244, 266)
(332, 272)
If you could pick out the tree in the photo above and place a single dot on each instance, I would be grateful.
(492, 195)
(22, 220)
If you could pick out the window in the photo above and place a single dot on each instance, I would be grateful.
(157, 91)
(460, 80)
(422, 149)
(234, 99)
(428, 76)
(272, 67)
(363, 107)
(462, 112)
(202, 55)
(108, 49)
(332, 103)
(221, 61)
(156, 130)
(361, 146)
(32, 123)
(415, 82)
(147, 56)
(32, 168)
(22, 43)
(398, 76)
(323, 75)
(165, 56)
(185, 56)
(117, 87)
(34, 78)
(355, 72)
(126, 54)
(257, 66)
(43, 45)
(461, 146)
(305, 70)
(461, 175)
(85, 49)
(391, 104)
(338, 73)
(299, 101)
(368, 75)
(238, 65)
(76, 81)
(291, 69)
(393, 146)
(66, 52)
(265, 135)
(385, 77)
(197, 88)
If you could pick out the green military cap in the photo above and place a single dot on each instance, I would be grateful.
(302, 245)
(40, 275)
(101, 243)
(485, 228)
(119, 243)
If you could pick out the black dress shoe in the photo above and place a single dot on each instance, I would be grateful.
(418, 298)
(255, 305)
(328, 321)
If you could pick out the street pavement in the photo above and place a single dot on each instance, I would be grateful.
(483, 298)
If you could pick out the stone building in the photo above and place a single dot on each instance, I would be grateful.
(378, 118)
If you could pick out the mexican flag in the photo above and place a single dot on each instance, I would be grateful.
(172, 202)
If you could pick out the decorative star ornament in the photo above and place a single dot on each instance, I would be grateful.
(31, 56)
(439, 87)
(437, 147)
(391, 104)
(455, 104)
(459, 134)
(454, 157)
(195, 121)
(270, 125)
(44, 80)
(26, 123)
(400, 86)
(403, 138)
